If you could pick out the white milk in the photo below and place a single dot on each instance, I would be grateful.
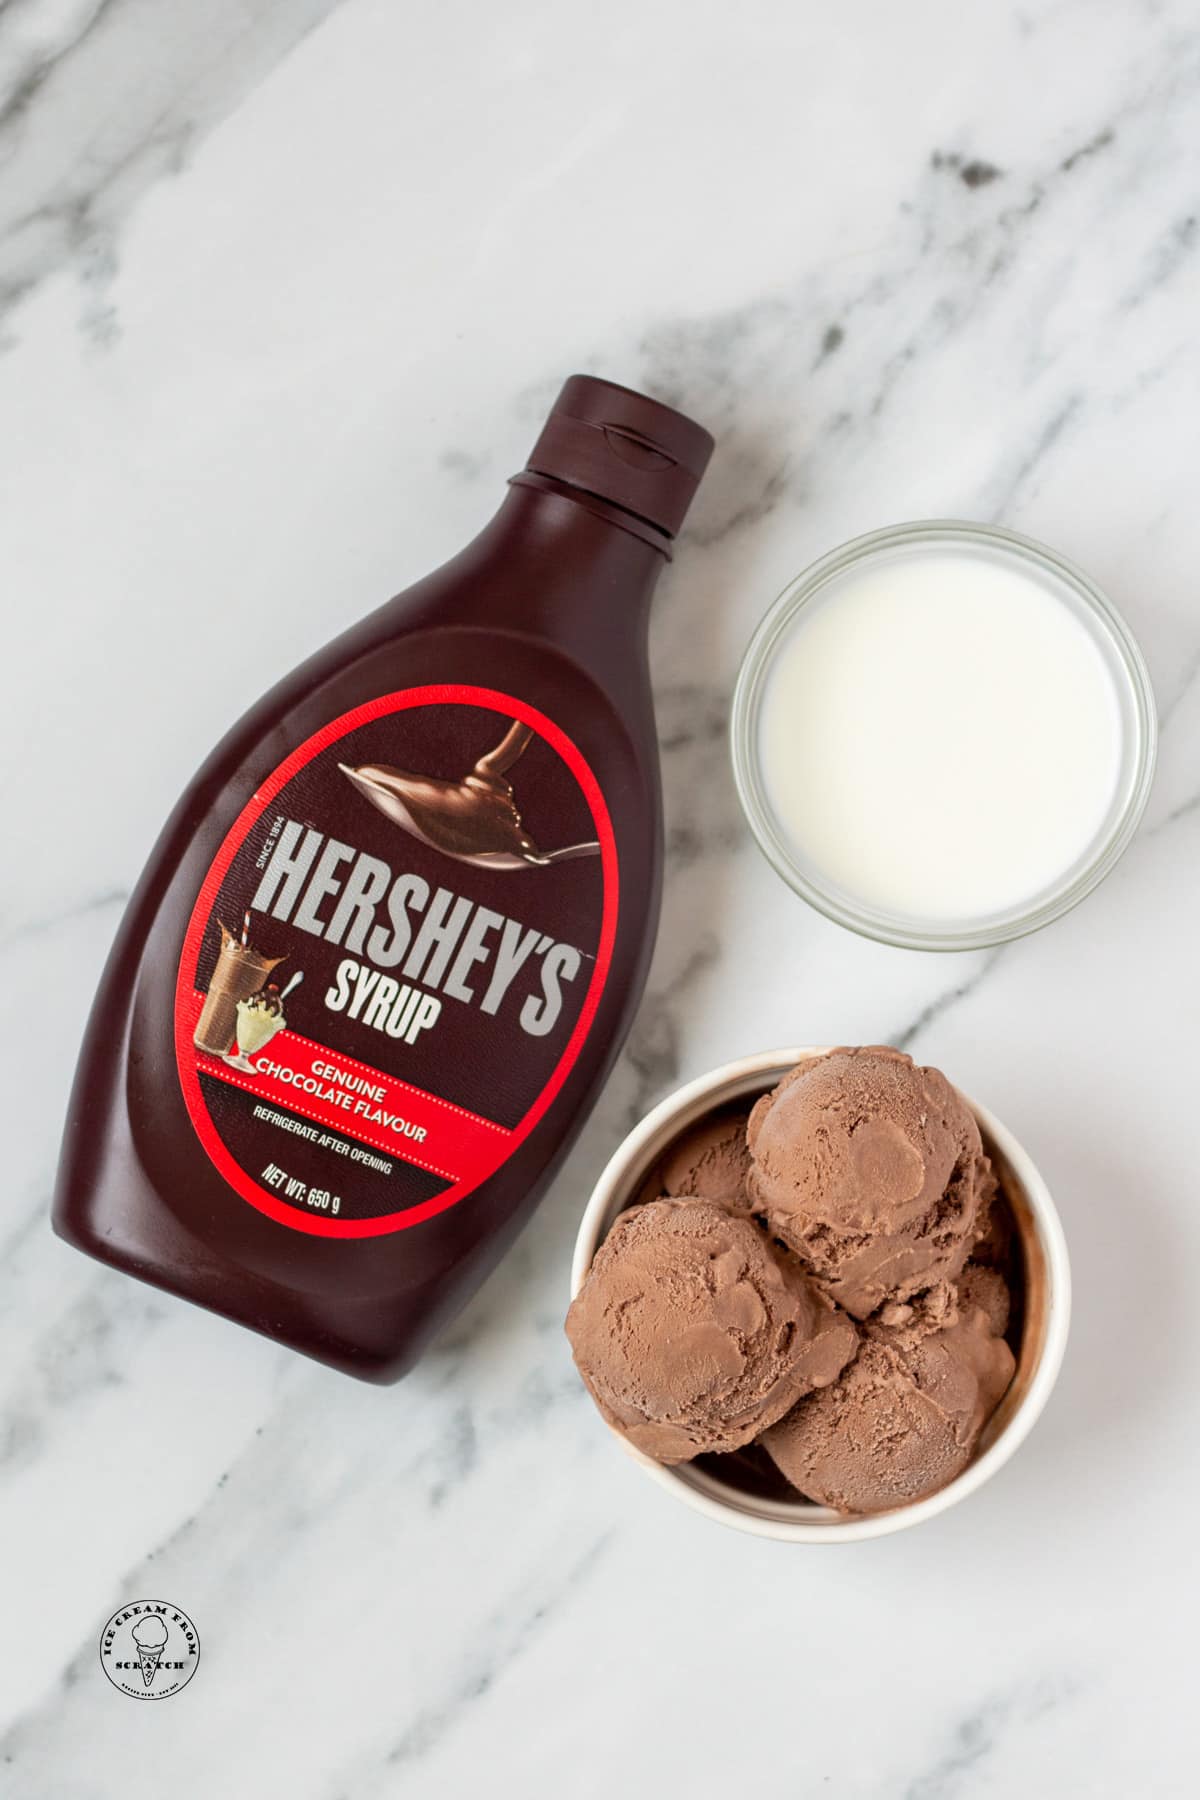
(940, 735)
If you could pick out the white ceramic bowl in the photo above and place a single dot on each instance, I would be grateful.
(1044, 1335)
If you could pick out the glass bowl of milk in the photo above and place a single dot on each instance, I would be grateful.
(943, 735)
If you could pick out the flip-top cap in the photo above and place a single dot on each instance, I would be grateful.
(624, 448)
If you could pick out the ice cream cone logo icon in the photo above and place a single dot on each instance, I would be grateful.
(150, 1636)
(149, 1649)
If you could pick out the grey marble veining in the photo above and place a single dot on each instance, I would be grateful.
(100, 99)
(976, 1739)
(285, 290)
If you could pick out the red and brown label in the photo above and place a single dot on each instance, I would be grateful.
(395, 959)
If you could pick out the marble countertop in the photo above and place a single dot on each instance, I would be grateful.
(285, 288)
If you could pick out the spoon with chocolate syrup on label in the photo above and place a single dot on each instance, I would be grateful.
(475, 820)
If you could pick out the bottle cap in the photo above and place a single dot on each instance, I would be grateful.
(624, 448)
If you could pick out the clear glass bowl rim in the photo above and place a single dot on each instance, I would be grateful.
(757, 660)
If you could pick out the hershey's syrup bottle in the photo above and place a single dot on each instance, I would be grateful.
(393, 935)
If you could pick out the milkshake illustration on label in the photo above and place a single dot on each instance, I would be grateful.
(240, 972)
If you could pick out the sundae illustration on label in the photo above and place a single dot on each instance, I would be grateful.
(150, 1637)
(259, 1017)
(475, 820)
(240, 972)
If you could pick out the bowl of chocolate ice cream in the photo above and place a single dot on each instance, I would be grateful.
(819, 1294)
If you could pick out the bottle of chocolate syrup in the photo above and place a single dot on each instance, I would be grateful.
(392, 937)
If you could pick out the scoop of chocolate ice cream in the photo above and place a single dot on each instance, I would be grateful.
(996, 1247)
(693, 1333)
(710, 1162)
(986, 1288)
(872, 1169)
(905, 1417)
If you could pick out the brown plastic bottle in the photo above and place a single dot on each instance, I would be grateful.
(447, 825)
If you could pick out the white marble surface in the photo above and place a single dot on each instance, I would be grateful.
(285, 286)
